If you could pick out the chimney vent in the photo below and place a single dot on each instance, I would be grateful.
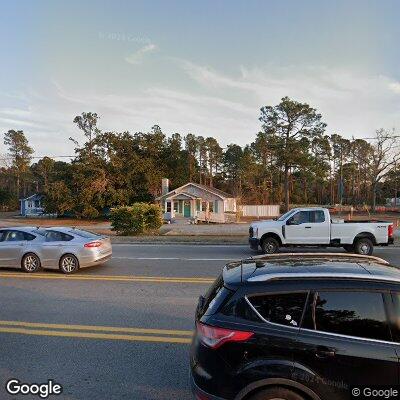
(164, 186)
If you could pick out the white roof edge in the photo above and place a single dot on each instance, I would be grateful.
(194, 184)
(29, 197)
(210, 190)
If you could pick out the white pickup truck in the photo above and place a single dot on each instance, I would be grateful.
(314, 227)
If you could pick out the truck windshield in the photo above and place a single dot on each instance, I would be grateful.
(286, 215)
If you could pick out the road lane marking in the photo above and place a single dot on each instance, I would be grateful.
(89, 335)
(173, 258)
(96, 332)
(186, 244)
(113, 278)
(96, 328)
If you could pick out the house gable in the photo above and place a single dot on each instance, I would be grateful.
(199, 191)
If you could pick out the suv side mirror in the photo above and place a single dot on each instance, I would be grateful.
(291, 221)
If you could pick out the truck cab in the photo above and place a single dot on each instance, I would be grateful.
(313, 226)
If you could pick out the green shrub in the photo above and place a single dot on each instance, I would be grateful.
(136, 219)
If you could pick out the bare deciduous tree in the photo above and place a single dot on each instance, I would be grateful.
(385, 153)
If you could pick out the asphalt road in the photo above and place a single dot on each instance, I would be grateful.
(120, 331)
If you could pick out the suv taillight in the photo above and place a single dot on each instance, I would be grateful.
(92, 244)
(215, 337)
(390, 230)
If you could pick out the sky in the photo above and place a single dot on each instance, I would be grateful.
(195, 67)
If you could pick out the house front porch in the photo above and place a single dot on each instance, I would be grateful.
(188, 207)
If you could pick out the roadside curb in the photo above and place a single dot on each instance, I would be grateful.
(186, 243)
(180, 241)
(189, 240)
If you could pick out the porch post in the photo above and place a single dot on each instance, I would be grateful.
(192, 208)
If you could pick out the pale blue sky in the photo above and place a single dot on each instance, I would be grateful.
(201, 67)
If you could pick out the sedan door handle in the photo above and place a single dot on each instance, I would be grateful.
(307, 227)
(324, 352)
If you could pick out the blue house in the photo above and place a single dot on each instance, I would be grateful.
(31, 206)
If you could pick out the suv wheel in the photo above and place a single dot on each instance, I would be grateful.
(69, 264)
(270, 245)
(30, 263)
(276, 393)
(364, 246)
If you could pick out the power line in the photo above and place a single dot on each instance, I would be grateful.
(37, 157)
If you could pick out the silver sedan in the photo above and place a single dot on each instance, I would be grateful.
(67, 249)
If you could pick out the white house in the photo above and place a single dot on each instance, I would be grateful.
(196, 201)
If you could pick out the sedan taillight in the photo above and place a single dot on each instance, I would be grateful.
(215, 337)
(92, 244)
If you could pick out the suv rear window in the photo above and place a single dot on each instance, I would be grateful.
(359, 314)
(283, 308)
(215, 296)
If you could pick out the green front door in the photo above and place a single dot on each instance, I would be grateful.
(186, 209)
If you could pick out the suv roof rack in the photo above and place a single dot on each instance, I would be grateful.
(316, 275)
(326, 256)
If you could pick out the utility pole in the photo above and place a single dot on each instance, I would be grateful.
(395, 184)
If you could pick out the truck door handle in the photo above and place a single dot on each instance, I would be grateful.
(307, 227)
(324, 352)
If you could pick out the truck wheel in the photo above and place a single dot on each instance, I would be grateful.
(349, 248)
(269, 245)
(364, 246)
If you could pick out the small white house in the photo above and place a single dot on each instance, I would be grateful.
(31, 206)
(196, 201)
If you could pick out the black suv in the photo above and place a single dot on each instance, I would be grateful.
(297, 327)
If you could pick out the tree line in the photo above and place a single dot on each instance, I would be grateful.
(292, 160)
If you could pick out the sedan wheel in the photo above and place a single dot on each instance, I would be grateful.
(69, 264)
(30, 263)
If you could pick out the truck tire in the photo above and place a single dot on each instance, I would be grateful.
(349, 248)
(270, 245)
(364, 246)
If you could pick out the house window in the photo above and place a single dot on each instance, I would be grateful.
(211, 206)
(203, 206)
(198, 205)
(168, 206)
(216, 206)
(176, 206)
